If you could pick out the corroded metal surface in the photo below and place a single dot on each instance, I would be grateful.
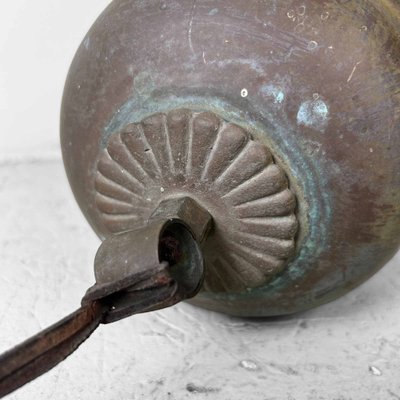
(316, 82)
(129, 266)
(232, 175)
(322, 354)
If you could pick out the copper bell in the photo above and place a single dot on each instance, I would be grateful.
(241, 155)
(280, 119)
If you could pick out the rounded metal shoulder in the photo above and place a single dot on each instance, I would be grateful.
(309, 91)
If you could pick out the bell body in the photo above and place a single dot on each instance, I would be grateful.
(281, 118)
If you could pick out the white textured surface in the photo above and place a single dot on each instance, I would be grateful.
(349, 349)
(37, 42)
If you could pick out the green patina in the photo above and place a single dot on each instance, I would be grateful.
(311, 188)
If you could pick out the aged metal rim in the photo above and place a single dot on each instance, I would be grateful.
(229, 172)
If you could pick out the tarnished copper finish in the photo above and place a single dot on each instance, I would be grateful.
(222, 167)
(316, 83)
(133, 262)
(262, 134)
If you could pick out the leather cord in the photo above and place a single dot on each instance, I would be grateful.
(48, 348)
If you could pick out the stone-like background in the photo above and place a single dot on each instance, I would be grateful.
(38, 40)
(346, 350)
